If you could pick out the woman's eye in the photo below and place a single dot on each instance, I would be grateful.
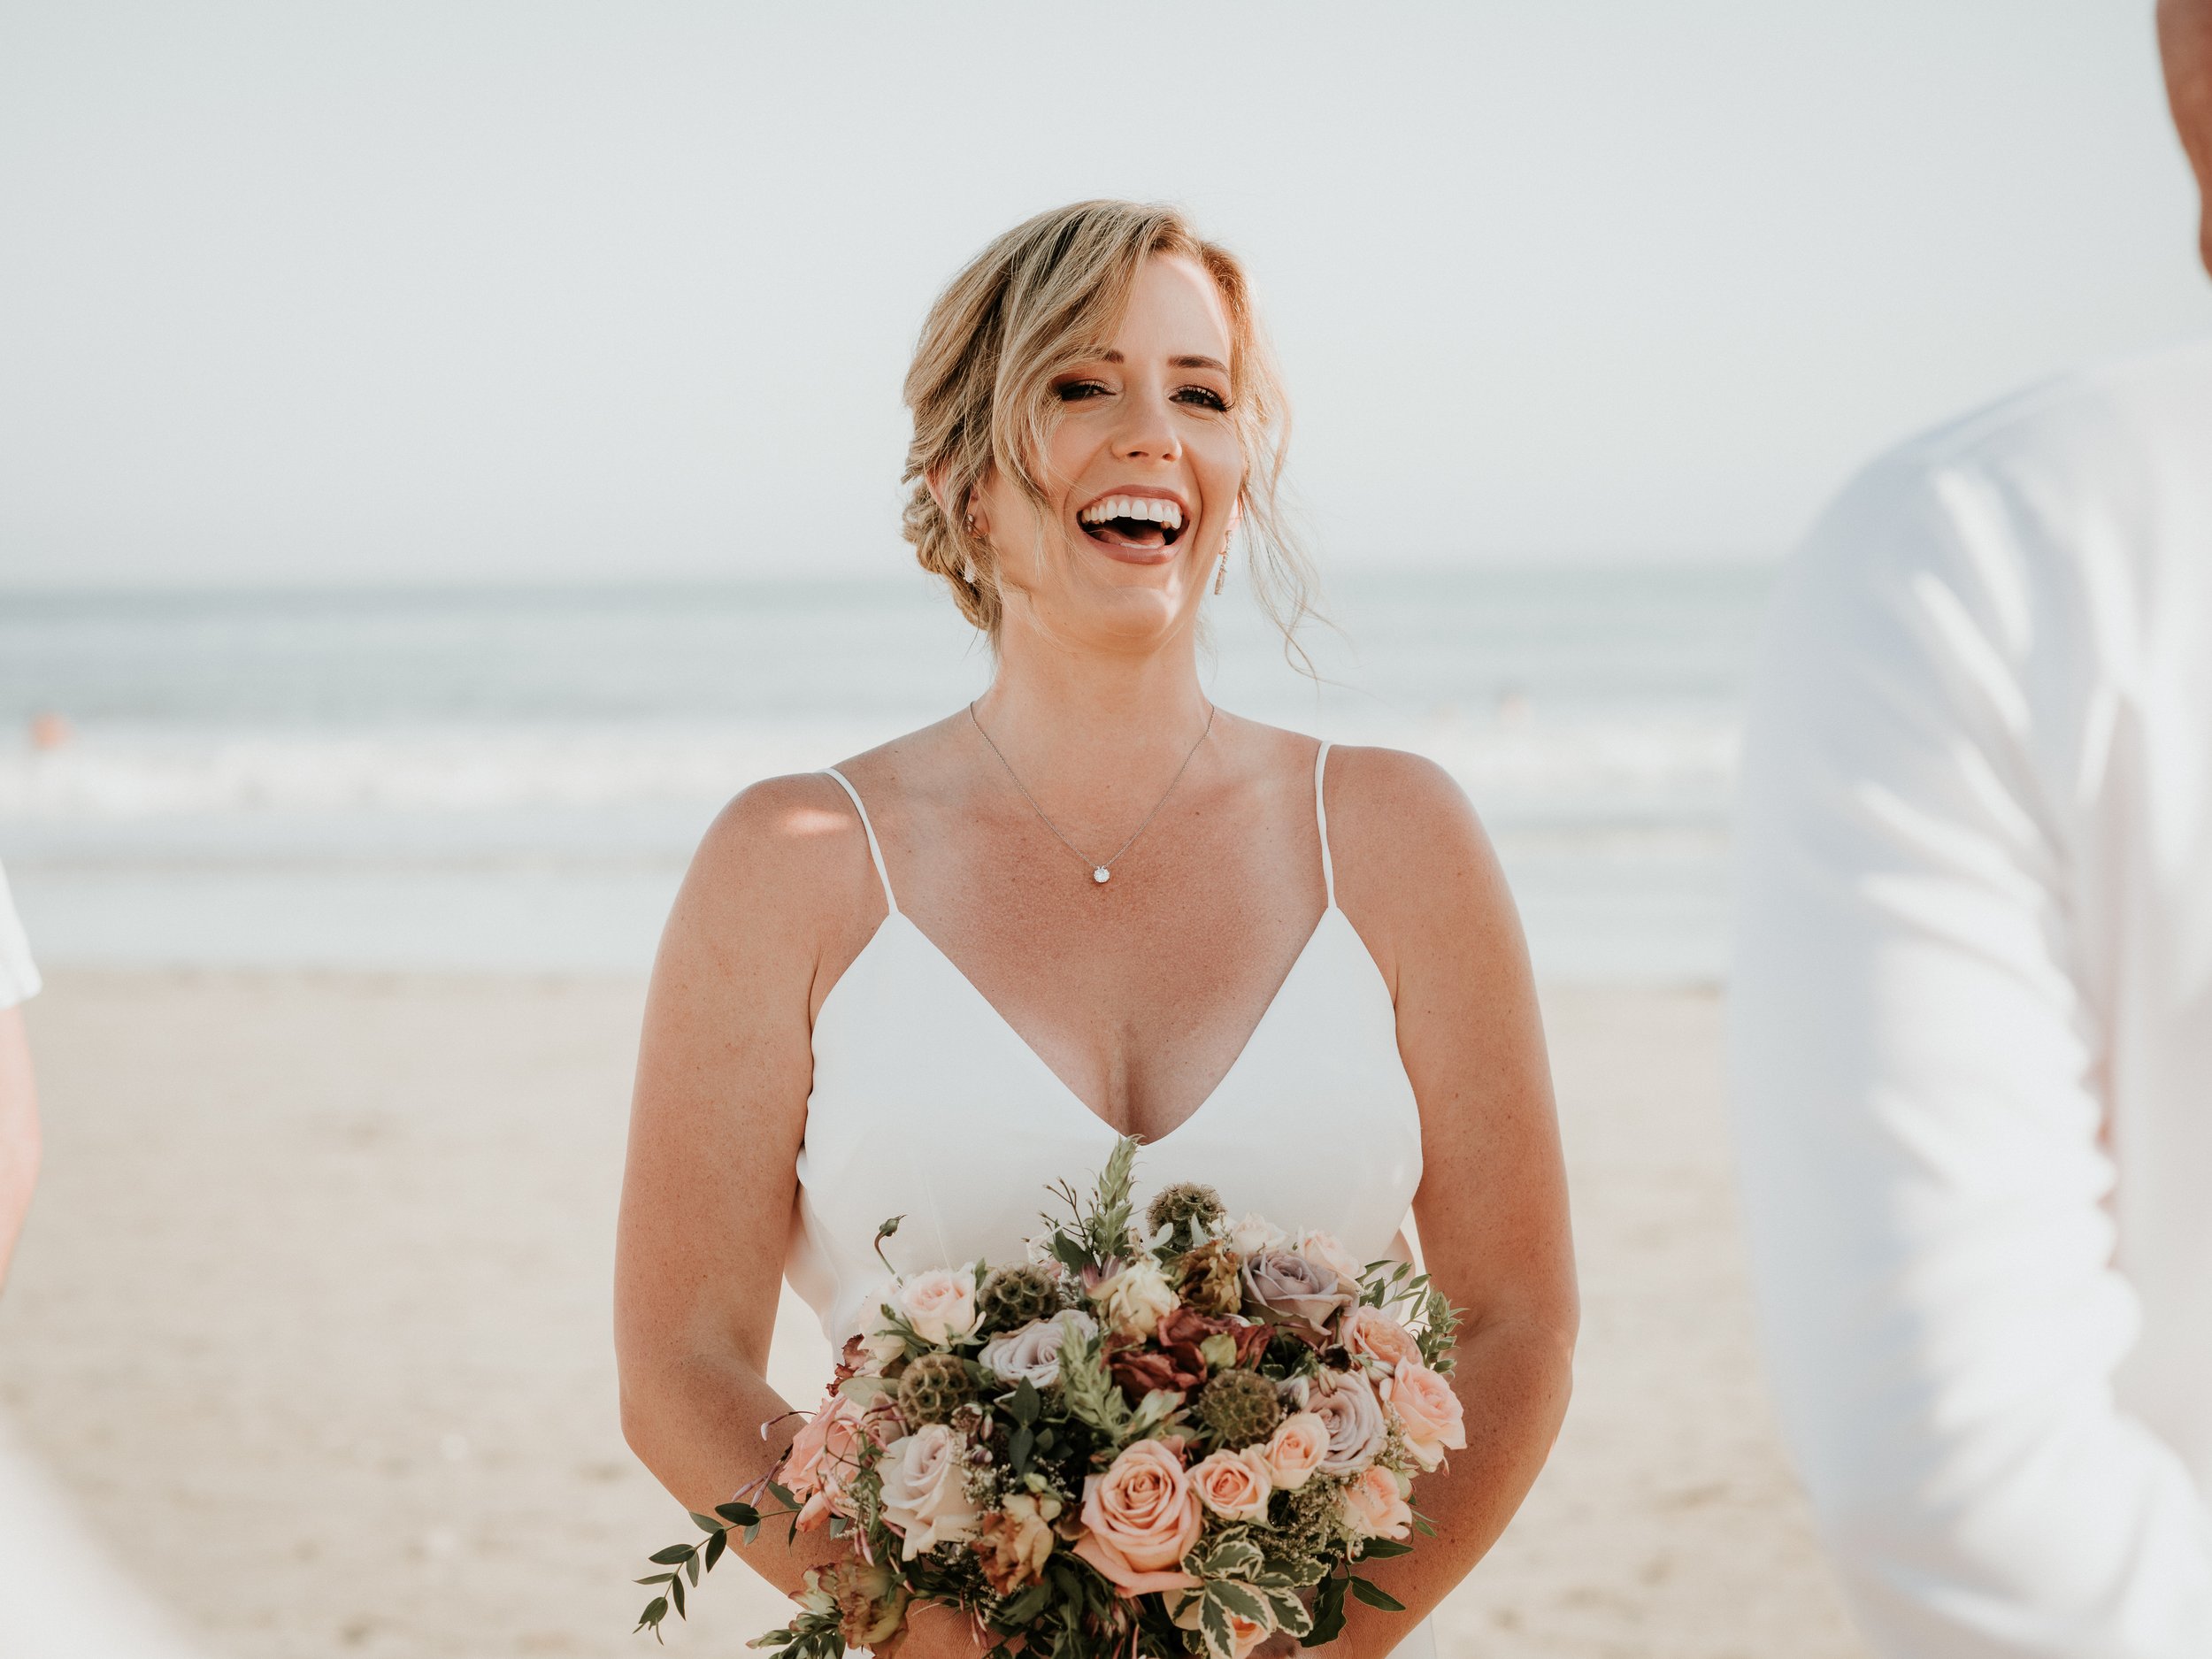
(1074, 391)
(1204, 396)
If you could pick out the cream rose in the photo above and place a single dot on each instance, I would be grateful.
(1252, 1232)
(1295, 1451)
(1235, 1486)
(1139, 1519)
(1345, 1401)
(924, 1490)
(1317, 1246)
(1375, 1506)
(1371, 1334)
(1033, 1351)
(940, 1304)
(1133, 1299)
(1428, 1412)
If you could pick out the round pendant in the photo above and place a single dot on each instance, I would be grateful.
(1102, 873)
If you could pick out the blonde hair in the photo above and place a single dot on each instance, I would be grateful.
(1045, 296)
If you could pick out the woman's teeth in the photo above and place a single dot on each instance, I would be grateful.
(1150, 508)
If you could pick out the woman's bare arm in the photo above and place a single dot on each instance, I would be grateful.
(725, 1066)
(1418, 878)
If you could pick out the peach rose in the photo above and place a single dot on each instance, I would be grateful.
(1139, 1519)
(940, 1304)
(1235, 1486)
(1245, 1635)
(1374, 1506)
(824, 1455)
(1320, 1246)
(1429, 1414)
(925, 1490)
(1295, 1451)
(1371, 1334)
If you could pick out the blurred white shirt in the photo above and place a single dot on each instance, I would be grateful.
(19, 974)
(1971, 1023)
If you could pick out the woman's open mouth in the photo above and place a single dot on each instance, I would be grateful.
(1146, 522)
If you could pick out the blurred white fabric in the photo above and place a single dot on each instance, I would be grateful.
(61, 1597)
(1972, 1023)
(19, 974)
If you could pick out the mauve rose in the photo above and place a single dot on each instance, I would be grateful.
(1345, 1401)
(924, 1490)
(1375, 1504)
(1295, 1451)
(1033, 1350)
(1284, 1282)
(1371, 1334)
(1139, 1519)
(1235, 1486)
(940, 1304)
(1429, 1414)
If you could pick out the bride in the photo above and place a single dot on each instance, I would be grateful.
(955, 968)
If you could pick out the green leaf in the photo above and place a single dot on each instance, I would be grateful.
(1025, 1607)
(655, 1610)
(1328, 1612)
(738, 1514)
(1018, 1446)
(673, 1554)
(782, 1495)
(716, 1544)
(1383, 1548)
(676, 1590)
(1290, 1612)
(1375, 1596)
(691, 1569)
(1024, 1402)
(1230, 1556)
(1213, 1625)
(704, 1524)
(1423, 1526)
(1240, 1599)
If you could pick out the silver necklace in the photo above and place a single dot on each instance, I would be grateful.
(1100, 872)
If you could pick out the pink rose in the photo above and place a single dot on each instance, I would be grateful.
(1139, 1519)
(1235, 1486)
(1345, 1403)
(1245, 1635)
(941, 1303)
(1429, 1414)
(1374, 1506)
(1323, 1248)
(1295, 1451)
(824, 1456)
(1371, 1334)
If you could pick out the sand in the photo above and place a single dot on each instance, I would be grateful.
(311, 1322)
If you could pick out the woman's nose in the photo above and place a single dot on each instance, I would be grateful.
(1148, 430)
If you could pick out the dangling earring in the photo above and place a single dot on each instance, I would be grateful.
(1221, 575)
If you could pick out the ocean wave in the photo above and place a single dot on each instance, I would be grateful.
(1524, 763)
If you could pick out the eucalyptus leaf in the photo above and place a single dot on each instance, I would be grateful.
(1375, 1596)
(673, 1554)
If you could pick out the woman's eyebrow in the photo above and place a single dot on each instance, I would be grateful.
(1191, 362)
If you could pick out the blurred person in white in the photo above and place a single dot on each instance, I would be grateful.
(1971, 1013)
(58, 1598)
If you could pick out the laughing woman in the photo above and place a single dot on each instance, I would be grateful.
(955, 968)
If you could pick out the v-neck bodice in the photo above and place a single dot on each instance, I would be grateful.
(927, 1103)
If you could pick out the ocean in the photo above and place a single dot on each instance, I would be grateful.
(511, 780)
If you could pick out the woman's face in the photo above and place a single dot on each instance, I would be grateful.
(1142, 474)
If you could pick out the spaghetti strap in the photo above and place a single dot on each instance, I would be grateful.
(875, 849)
(1320, 817)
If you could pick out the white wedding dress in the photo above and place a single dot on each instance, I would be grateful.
(928, 1103)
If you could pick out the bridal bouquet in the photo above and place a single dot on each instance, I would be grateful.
(1166, 1439)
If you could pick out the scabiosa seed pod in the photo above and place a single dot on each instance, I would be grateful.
(1240, 1407)
(934, 1387)
(1184, 1207)
(1208, 1280)
(1012, 1296)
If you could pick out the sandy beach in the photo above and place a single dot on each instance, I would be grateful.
(312, 1322)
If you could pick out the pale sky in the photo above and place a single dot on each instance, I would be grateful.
(478, 291)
